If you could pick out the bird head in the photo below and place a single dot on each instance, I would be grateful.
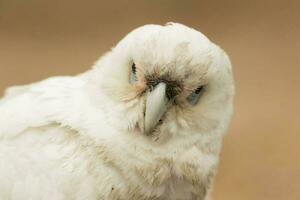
(163, 81)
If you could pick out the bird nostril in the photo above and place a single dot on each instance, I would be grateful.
(151, 88)
(173, 87)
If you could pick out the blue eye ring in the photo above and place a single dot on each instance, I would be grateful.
(133, 68)
(133, 75)
(194, 97)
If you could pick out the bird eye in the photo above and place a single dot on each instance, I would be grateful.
(194, 97)
(133, 75)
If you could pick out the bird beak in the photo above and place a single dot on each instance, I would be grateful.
(156, 106)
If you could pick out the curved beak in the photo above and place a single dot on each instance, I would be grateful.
(156, 106)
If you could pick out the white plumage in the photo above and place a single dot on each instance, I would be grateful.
(107, 135)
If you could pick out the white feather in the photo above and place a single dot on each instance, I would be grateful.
(81, 137)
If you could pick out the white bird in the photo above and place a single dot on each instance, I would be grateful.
(145, 123)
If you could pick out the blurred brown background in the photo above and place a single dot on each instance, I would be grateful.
(260, 158)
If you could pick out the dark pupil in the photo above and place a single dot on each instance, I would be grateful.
(198, 90)
(133, 68)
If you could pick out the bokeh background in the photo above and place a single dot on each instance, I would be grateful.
(261, 154)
